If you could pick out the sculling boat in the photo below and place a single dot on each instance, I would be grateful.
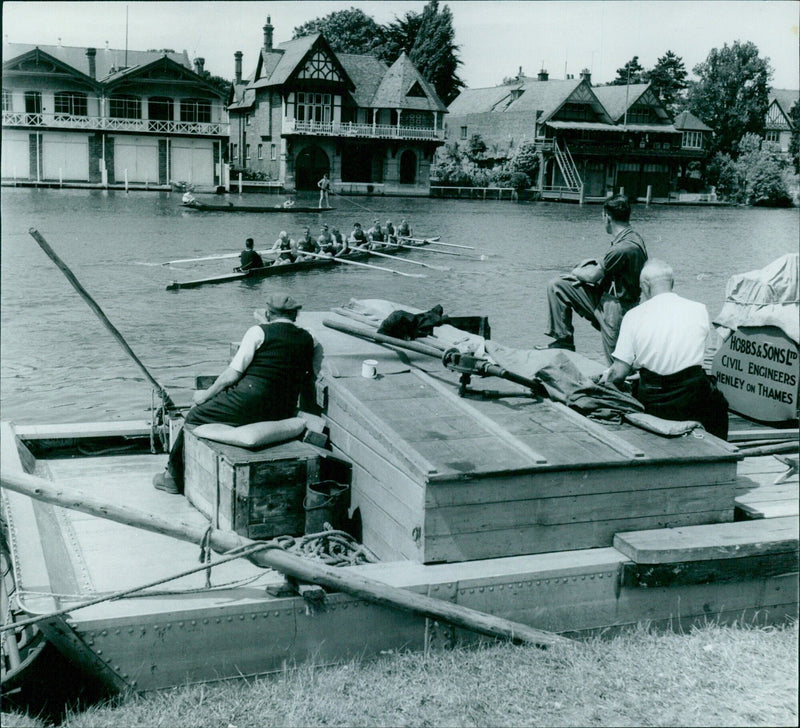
(230, 207)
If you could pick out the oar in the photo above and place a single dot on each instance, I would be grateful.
(436, 241)
(363, 265)
(218, 257)
(417, 240)
(43, 244)
(308, 570)
(406, 260)
(426, 249)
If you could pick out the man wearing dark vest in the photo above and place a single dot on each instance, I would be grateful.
(248, 258)
(262, 382)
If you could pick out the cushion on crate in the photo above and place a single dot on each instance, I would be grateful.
(660, 426)
(256, 434)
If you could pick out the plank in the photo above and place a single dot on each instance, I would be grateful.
(769, 510)
(712, 541)
(123, 428)
(656, 503)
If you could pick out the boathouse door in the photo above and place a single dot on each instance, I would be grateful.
(312, 163)
(408, 168)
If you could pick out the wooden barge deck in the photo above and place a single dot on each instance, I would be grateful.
(508, 505)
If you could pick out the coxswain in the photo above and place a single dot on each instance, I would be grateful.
(600, 293)
(325, 241)
(249, 258)
(287, 247)
(358, 238)
(273, 364)
(664, 337)
(307, 244)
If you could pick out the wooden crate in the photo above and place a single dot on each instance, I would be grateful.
(256, 493)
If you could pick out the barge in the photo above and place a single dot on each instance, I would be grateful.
(500, 501)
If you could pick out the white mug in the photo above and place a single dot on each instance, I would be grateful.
(369, 368)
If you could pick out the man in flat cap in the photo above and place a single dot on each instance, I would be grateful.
(262, 382)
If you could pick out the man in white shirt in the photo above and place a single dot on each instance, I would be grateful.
(665, 339)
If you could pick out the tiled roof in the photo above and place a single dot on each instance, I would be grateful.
(105, 59)
(544, 96)
(293, 52)
(687, 121)
(398, 81)
(613, 97)
(785, 97)
(479, 100)
(366, 73)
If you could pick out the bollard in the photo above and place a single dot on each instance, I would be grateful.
(126, 179)
(60, 177)
(240, 183)
(649, 197)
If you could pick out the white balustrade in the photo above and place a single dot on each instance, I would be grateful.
(156, 126)
(350, 129)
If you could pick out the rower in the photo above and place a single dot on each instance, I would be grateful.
(358, 237)
(249, 258)
(339, 243)
(325, 241)
(390, 234)
(307, 244)
(375, 233)
(287, 245)
(403, 231)
(664, 337)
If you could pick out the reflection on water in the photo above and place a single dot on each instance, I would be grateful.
(60, 364)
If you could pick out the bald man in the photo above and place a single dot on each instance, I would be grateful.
(664, 337)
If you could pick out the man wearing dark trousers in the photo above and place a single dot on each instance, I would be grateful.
(601, 294)
(262, 383)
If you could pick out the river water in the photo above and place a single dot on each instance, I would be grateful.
(59, 364)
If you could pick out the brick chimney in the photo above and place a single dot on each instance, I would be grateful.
(237, 58)
(198, 65)
(586, 75)
(543, 75)
(91, 53)
(268, 35)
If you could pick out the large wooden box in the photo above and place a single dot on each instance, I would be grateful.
(256, 493)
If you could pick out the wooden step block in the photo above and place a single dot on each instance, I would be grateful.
(707, 542)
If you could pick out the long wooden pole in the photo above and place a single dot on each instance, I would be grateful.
(372, 335)
(84, 294)
(363, 265)
(406, 260)
(223, 256)
(303, 569)
(427, 249)
(436, 241)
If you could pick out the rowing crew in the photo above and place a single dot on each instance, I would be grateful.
(329, 242)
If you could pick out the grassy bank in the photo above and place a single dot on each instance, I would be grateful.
(711, 676)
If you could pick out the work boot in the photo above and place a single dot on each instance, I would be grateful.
(164, 481)
(567, 343)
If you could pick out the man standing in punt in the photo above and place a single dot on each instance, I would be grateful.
(324, 187)
(665, 337)
(600, 293)
(261, 384)
(249, 258)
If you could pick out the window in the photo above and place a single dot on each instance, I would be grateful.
(273, 152)
(313, 107)
(234, 152)
(247, 119)
(320, 66)
(247, 151)
(70, 103)
(33, 107)
(197, 111)
(640, 114)
(261, 151)
(692, 140)
(770, 136)
(463, 132)
(7, 103)
(123, 106)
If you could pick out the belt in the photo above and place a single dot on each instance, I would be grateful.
(651, 379)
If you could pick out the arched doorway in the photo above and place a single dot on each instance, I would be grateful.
(408, 168)
(311, 164)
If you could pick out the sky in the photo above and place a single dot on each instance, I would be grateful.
(496, 37)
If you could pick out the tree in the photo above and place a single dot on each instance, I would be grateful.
(347, 31)
(526, 160)
(476, 148)
(631, 72)
(731, 95)
(794, 143)
(435, 53)
(668, 78)
(223, 84)
(399, 35)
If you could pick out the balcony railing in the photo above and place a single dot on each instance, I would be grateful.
(369, 131)
(143, 126)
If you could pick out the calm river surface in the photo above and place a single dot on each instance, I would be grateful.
(59, 364)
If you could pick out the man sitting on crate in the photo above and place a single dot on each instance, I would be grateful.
(664, 337)
(262, 382)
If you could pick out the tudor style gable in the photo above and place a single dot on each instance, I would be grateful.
(37, 65)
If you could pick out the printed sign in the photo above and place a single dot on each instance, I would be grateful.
(758, 371)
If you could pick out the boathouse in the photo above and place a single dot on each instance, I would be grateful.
(110, 117)
(306, 111)
(590, 139)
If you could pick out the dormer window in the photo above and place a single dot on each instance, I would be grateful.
(320, 66)
(416, 90)
(516, 93)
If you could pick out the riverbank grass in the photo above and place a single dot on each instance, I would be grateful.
(710, 676)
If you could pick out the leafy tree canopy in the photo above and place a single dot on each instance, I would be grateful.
(731, 95)
(631, 72)
(347, 31)
(794, 143)
(668, 78)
